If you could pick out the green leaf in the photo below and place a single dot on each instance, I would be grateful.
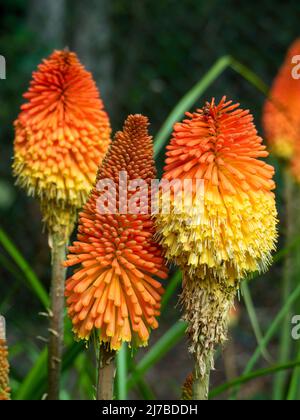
(31, 279)
(173, 283)
(285, 251)
(195, 93)
(32, 382)
(35, 384)
(188, 101)
(145, 390)
(253, 317)
(293, 391)
(142, 387)
(10, 267)
(71, 354)
(249, 75)
(271, 331)
(251, 376)
(85, 376)
(158, 351)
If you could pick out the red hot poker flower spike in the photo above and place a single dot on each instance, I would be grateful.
(114, 291)
(62, 135)
(281, 116)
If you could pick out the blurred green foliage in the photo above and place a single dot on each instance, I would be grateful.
(158, 51)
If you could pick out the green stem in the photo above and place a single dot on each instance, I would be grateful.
(201, 383)
(122, 373)
(56, 315)
(106, 374)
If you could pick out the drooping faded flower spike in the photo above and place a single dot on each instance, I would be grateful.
(281, 115)
(230, 231)
(4, 365)
(62, 134)
(113, 290)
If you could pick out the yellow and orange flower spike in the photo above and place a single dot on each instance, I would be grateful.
(4, 365)
(113, 291)
(281, 115)
(236, 233)
(61, 136)
(231, 231)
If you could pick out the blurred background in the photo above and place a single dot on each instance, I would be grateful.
(144, 55)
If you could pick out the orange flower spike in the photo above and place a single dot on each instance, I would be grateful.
(62, 134)
(113, 291)
(281, 115)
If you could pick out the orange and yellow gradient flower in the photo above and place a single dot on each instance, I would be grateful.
(62, 134)
(281, 115)
(226, 233)
(113, 290)
(236, 233)
(4, 365)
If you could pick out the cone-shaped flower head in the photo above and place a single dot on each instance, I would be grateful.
(62, 134)
(227, 228)
(230, 230)
(4, 366)
(281, 116)
(113, 290)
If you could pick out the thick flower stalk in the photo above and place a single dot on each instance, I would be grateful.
(113, 290)
(62, 134)
(281, 115)
(4, 365)
(226, 232)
